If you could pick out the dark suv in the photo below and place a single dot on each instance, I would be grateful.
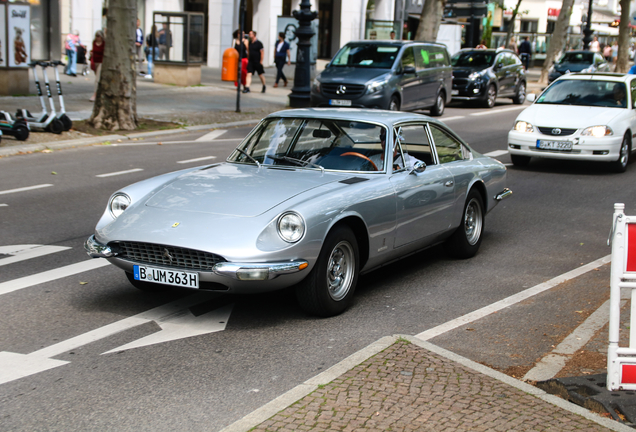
(389, 75)
(483, 75)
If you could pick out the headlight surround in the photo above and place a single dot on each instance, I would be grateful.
(377, 85)
(118, 204)
(597, 131)
(291, 227)
(475, 75)
(523, 126)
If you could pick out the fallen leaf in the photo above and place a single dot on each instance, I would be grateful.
(159, 143)
(582, 244)
(579, 312)
(470, 329)
(83, 283)
(53, 172)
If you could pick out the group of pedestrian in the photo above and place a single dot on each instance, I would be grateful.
(252, 53)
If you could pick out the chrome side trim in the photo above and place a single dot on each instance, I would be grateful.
(229, 269)
(95, 249)
(503, 194)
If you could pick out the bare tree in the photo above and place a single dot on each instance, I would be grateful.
(622, 60)
(558, 39)
(116, 100)
(511, 27)
(430, 19)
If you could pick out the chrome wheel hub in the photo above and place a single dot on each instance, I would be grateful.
(473, 221)
(340, 268)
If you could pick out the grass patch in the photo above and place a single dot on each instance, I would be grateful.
(144, 125)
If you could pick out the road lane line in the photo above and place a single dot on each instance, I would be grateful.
(131, 144)
(51, 275)
(4, 205)
(23, 189)
(211, 135)
(119, 172)
(498, 111)
(507, 302)
(196, 160)
(496, 153)
(25, 252)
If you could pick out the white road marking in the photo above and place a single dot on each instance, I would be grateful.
(211, 135)
(4, 205)
(502, 304)
(498, 111)
(25, 252)
(51, 275)
(496, 153)
(23, 189)
(197, 159)
(120, 172)
(168, 142)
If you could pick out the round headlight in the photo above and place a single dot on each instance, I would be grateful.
(118, 204)
(291, 227)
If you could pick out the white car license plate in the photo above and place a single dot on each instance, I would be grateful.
(454, 92)
(339, 102)
(166, 277)
(554, 145)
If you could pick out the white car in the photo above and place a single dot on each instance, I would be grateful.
(580, 117)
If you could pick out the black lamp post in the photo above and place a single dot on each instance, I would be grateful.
(588, 28)
(300, 94)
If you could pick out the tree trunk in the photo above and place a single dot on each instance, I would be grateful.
(558, 39)
(116, 100)
(511, 27)
(622, 60)
(430, 19)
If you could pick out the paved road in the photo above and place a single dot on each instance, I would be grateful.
(557, 220)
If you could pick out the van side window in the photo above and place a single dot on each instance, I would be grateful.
(408, 59)
(422, 58)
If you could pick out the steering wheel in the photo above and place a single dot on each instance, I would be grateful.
(360, 155)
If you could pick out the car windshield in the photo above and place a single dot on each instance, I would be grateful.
(577, 57)
(366, 55)
(586, 93)
(477, 59)
(339, 145)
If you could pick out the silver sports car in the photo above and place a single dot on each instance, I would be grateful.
(312, 198)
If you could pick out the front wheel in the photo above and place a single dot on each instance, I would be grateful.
(465, 241)
(394, 104)
(520, 96)
(620, 165)
(55, 126)
(491, 96)
(328, 289)
(440, 103)
(21, 132)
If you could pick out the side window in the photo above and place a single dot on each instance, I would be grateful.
(422, 58)
(516, 59)
(500, 60)
(448, 148)
(633, 91)
(509, 59)
(408, 59)
(438, 57)
(414, 142)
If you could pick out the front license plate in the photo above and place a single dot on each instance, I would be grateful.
(454, 92)
(166, 277)
(339, 102)
(554, 145)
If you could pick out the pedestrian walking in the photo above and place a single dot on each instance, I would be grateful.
(607, 53)
(512, 45)
(165, 42)
(240, 45)
(282, 55)
(256, 54)
(152, 50)
(595, 45)
(71, 44)
(139, 44)
(614, 53)
(97, 57)
(525, 52)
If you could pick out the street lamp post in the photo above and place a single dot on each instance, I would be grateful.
(300, 93)
(588, 28)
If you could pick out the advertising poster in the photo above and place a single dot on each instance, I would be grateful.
(288, 25)
(18, 35)
(3, 36)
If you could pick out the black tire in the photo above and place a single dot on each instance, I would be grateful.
(328, 289)
(146, 286)
(620, 165)
(21, 132)
(394, 104)
(55, 127)
(518, 160)
(66, 122)
(491, 96)
(440, 103)
(520, 96)
(465, 241)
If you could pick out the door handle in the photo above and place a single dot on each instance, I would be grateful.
(449, 183)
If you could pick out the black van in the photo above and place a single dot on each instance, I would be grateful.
(393, 75)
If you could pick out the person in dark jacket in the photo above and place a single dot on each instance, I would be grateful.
(282, 55)
(525, 52)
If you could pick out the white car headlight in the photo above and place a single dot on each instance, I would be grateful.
(291, 227)
(522, 126)
(597, 131)
(118, 204)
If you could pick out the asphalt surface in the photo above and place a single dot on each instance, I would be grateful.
(557, 220)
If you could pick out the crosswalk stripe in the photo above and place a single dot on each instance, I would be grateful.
(496, 153)
(25, 252)
(23, 189)
(211, 135)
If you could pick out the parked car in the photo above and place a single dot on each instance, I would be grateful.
(483, 75)
(306, 199)
(393, 75)
(578, 61)
(581, 117)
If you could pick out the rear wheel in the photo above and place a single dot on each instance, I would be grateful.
(491, 96)
(518, 160)
(146, 286)
(66, 122)
(520, 96)
(394, 104)
(55, 127)
(440, 104)
(620, 165)
(465, 241)
(21, 132)
(329, 287)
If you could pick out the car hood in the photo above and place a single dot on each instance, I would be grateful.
(568, 116)
(463, 72)
(572, 67)
(236, 190)
(350, 75)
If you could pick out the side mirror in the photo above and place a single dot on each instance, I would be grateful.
(409, 69)
(531, 97)
(418, 168)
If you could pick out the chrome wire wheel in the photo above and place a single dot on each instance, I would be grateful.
(473, 221)
(491, 97)
(340, 270)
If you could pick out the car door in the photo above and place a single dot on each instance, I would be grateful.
(632, 111)
(509, 74)
(499, 69)
(427, 73)
(409, 81)
(424, 200)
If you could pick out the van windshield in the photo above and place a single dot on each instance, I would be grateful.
(366, 55)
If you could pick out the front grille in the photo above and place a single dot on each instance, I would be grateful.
(350, 90)
(171, 256)
(552, 131)
(460, 82)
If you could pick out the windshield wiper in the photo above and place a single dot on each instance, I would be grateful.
(249, 156)
(296, 161)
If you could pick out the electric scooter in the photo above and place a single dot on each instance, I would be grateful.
(66, 121)
(18, 128)
(44, 122)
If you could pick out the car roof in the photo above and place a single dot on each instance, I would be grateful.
(605, 76)
(488, 50)
(395, 42)
(387, 118)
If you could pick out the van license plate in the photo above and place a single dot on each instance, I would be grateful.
(339, 102)
(166, 277)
